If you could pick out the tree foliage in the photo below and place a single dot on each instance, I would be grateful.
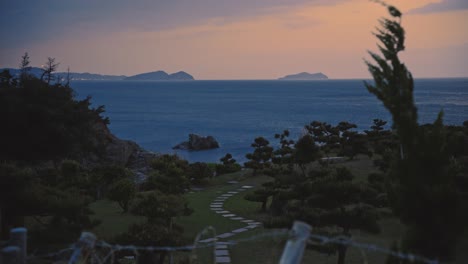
(44, 131)
(199, 171)
(49, 68)
(422, 180)
(28, 192)
(160, 206)
(170, 175)
(261, 157)
(122, 192)
(24, 66)
(43, 122)
(229, 165)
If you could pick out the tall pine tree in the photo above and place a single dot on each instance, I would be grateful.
(422, 182)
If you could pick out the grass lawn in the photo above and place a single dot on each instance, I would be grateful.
(269, 250)
(262, 249)
(113, 221)
(200, 201)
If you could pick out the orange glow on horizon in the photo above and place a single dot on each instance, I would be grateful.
(331, 39)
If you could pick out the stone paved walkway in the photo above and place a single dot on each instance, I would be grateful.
(221, 249)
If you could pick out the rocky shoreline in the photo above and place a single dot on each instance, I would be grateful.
(121, 152)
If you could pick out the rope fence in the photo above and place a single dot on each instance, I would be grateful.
(88, 249)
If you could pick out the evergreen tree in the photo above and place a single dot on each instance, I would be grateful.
(326, 136)
(6, 80)
(49, 68)
(305, 152)
(26, 192)
(160, 207)
(198, 171)
(122, 192)
(170, 175)
(103, 176)
(43, 123)
(327, 199)
(382, 144)
(338, 205)
(229, 165)
(332, 203)
(24, 66)
(422, 180)
(261, 157)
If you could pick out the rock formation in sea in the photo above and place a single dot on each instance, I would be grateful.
(197, 142)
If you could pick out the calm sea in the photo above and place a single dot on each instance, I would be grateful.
(159, 115)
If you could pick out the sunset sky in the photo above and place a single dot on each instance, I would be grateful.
(230, 39)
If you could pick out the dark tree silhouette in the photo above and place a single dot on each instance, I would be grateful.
(422, 186)
(261, 157)
(24, 66)
(122, 192)
(49, 68)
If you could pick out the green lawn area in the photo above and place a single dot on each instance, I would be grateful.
(268, 250)
(260, 250)
(200, 201)
(113, 221)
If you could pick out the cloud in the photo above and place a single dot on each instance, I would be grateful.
(443, 6)
(35, 21)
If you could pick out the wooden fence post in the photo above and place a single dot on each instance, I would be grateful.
(86, 243)
(19, 239)
(294, 249)
(10, 255)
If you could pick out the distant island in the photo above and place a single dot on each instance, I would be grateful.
(304, 76)
(86, 76)
(149, 76)
(161, 76)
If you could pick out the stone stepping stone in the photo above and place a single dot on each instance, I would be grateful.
(216, 209)
(232, 192)
(240, 230)
(221, 246)
(232, 182)
(222, 252)
(247, 221)
(219, 200)
(229, 215)
(222, 212)
(207, 240)
(216, 205)
(226, 195)
(237, 218)
(252, 226)
(225, 235)
(247, 186)
(255, 223)
(223, 259)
